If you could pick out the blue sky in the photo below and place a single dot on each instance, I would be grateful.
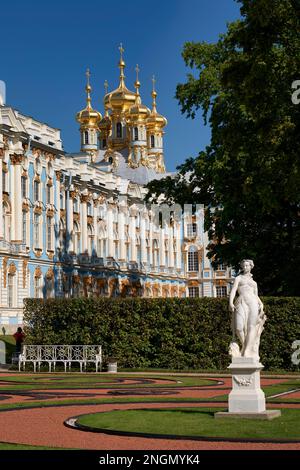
(47, 46)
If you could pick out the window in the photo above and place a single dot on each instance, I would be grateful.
(191, 230)
(36, 230)
(10, 290)
(136, 133)
(24, 186)
(75, 205)
(36, 190)
(221, 291)
(152, 141)
(193, 291)
(4, 188)
(119, 130)
(90, 239)
(193, 260)
(6, 222)
(89, 208)
(62, 200)
(50, 288)
(86, 138)
(48, 194)
(37, 291)
(221, 267)
(49, 233)
(76, 238)
(24, 227)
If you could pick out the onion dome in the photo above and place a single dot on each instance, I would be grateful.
(138, 111)
(105, 123)
(121, 99)
(155, 120)
(88, 117)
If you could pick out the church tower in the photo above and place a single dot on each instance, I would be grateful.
(118, 102)
(155, 125)
(136, 119)
(89, 121)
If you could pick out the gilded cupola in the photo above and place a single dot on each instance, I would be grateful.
(88, 117)
(155, 121)
(138, 112)
(121, 99)
(89, 120)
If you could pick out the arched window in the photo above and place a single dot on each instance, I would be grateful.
(76, 238)
(119, 130)
(24, 227)
(152, 141)
(37, 287)
(36, 190)
(6, 222)
(90, 238)
(36, 230)
(136, 133)
(86, 138)
(62, 234)
(193, 259)
(155, 253)
(49, 288)
(11, 287)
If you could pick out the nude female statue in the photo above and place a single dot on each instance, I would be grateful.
(248, 313)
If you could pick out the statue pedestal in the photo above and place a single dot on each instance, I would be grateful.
(246, 399)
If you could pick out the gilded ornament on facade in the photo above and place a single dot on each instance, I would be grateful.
(24, 270)
(38, 272)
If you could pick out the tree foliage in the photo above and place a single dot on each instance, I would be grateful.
(162, 333)
(248, 177)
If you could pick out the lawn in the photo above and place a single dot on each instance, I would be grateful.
(195, 422)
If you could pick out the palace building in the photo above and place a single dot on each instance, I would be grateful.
(77, 224)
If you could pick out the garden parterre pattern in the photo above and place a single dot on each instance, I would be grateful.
(44, 425)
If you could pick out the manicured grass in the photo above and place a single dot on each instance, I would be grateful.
(62, 381)
(196, 422)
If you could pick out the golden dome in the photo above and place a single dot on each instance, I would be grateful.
(138, 111)
(121, 99)
(105, 123)
(155, 120)
(88, 117)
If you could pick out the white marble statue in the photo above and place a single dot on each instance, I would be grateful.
(248, 315)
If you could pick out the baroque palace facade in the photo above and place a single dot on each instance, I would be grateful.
(77, 225)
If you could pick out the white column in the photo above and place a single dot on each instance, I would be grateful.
(171, 247)
(144, 214)
(151, 237)
(162, 257)
(16, 198)
(1, 198)
(70, 224)
(121, 230)
(110, 230)
(95, 221)
(178, 244)
(57, 204)
(84, 240)
(132, 233)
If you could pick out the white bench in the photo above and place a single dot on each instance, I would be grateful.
(67, 354)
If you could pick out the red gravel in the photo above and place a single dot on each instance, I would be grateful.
(45, 427)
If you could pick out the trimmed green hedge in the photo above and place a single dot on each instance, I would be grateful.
(161, 333)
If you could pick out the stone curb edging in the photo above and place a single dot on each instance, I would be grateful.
(72, 423)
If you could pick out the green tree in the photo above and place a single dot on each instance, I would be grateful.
(248, 177)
